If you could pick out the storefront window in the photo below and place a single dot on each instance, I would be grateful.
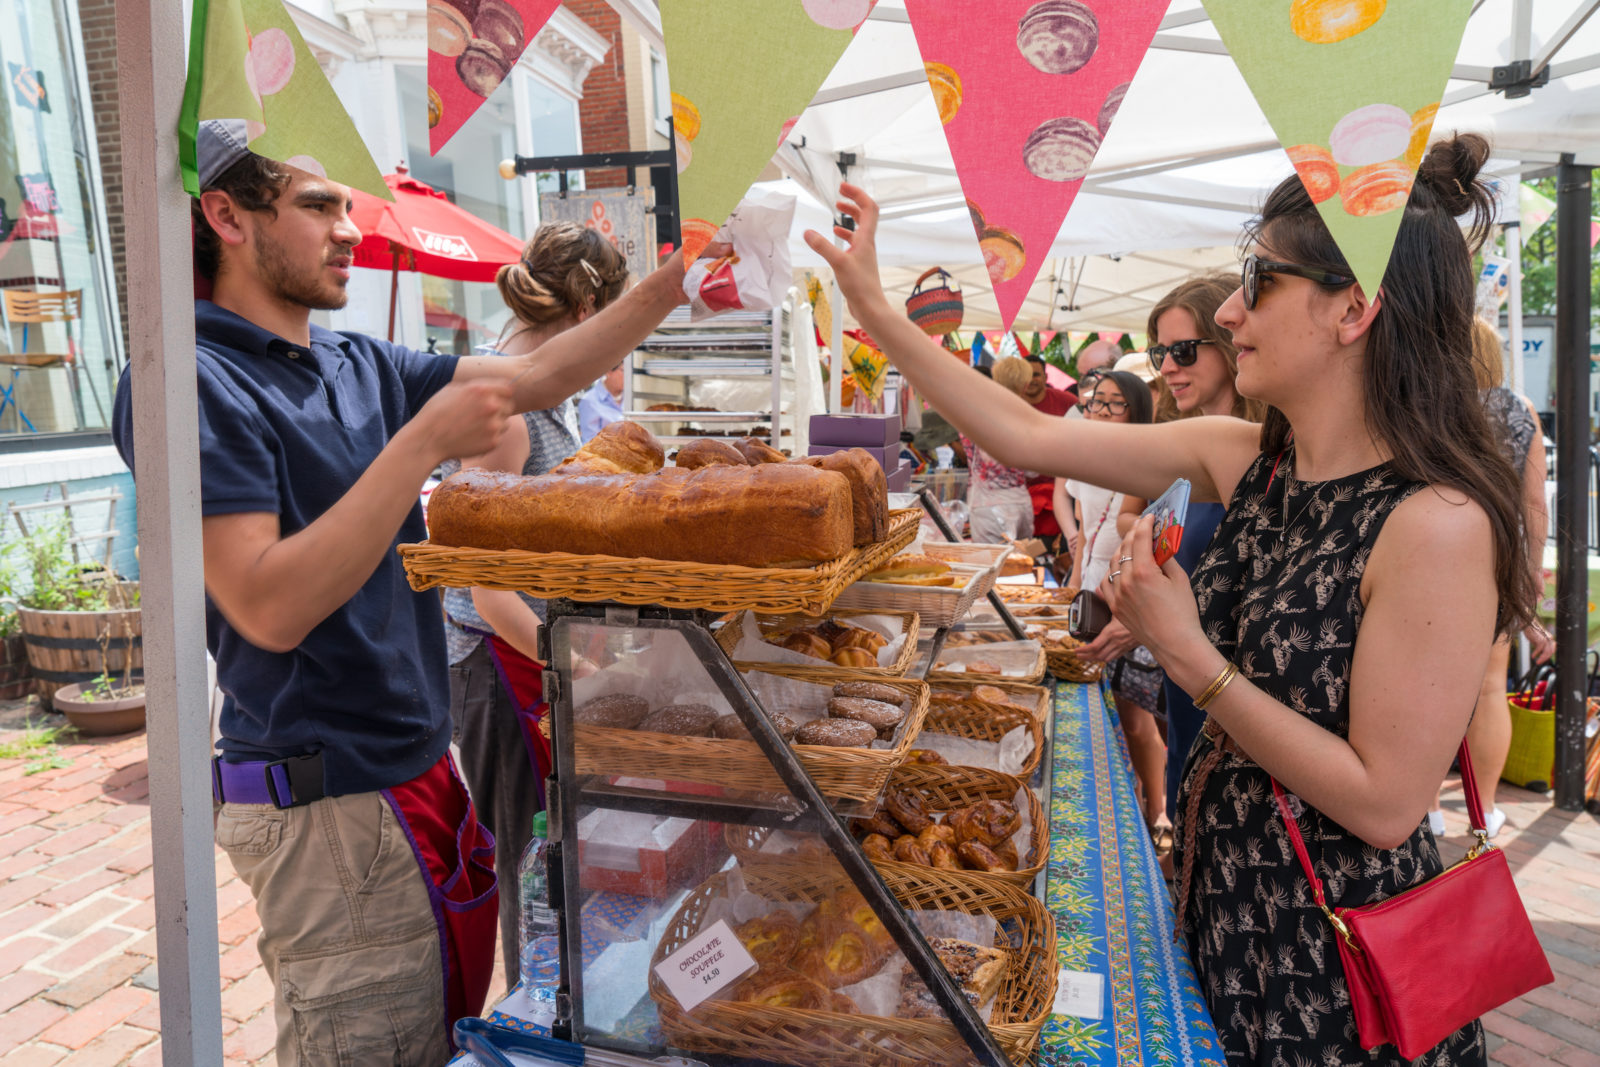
(59, 354)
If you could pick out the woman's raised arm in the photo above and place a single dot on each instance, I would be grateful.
(1143, 460)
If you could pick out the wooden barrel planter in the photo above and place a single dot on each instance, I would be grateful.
(16, 679)
(65, 647)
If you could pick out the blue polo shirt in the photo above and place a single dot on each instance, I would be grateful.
(288, 430)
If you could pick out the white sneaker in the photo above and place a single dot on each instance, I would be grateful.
(1493, 821)
(1436, 822)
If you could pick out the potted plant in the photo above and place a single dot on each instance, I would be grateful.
(15, 679)
(104, 704)
(78, 621)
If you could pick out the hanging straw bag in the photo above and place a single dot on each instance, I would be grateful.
(1428, 961)
(1533, 730)
(939, 307)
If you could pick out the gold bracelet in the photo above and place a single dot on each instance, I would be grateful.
(1214, 690)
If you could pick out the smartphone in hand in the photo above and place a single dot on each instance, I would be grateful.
(1170, 509)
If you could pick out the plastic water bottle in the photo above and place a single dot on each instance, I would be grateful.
(540, 926)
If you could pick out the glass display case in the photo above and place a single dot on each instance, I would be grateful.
(714, 899)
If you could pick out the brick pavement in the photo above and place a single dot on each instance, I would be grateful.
(77, 947)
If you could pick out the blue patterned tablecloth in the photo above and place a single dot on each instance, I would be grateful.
(1111, 908)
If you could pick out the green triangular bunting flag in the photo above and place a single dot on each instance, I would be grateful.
(1351, 88)
(254, 86)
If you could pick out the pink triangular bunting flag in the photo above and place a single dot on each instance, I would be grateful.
(1027, 90)
(472, 46)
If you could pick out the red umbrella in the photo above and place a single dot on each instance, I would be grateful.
(422, 230)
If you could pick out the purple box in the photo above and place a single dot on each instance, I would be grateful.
(888, 457)
(855, 431)
(900, 477)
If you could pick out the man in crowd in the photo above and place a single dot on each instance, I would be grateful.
(1047, 526)
(601, 405)
(339, 806)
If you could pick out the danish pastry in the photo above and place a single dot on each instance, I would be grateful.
(908, 849)
(876, 847)
(927, 757)
(980, 857)
(843, 955)
(988, 822)
(908, 810)
(879, 822)
(850, 904)
(854, 657)
(771, 939)
(937, 832)
(782, 987)
(942, 857)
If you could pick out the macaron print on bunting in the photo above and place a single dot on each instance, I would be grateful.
(1356, 116)
(472, 46)
(1027, 91)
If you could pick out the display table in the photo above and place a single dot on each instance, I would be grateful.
(1104, 887)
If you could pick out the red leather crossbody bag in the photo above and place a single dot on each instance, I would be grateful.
(1426, 962)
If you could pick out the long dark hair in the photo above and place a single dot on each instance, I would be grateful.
(1420, 396)
(1201, 296)
(1141, 408)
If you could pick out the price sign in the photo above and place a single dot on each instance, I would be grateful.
(1080, 993)
(711, 961)
(620, 218)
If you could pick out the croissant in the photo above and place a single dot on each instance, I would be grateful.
(807, 644)
(879, 822)
(908, 849)
(942, 857)
(937, 832)
(876, 848)
(980, 857)
(854, 657)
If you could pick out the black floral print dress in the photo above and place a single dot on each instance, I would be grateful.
(1285, 606)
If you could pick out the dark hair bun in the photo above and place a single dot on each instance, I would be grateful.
(1450, 172)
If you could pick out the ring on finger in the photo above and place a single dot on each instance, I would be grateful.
(1125, 559)
(1113, 575)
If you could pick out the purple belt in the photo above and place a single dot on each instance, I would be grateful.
(283, 783)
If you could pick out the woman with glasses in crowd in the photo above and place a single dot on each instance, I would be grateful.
(1338, 627)
(1122, 397)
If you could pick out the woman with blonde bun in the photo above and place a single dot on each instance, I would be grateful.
(566, 274)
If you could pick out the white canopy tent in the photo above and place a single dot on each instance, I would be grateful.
(1185, 164)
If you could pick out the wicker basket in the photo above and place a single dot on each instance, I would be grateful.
(938, 605)
(956, 788)
(669, 583)
(1034, 674)
(911, 625)
(975, 554)
(1034, 698)
(938, 309)
(824, 1039)
(854, 775)
(1038, 594)
(1069, 668)
(978, 722)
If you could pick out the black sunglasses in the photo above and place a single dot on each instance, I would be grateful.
(1183, 353)
(1255, 267)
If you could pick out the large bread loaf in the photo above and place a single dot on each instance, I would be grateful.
(775, 514)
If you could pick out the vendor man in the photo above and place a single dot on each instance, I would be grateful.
(340, 808)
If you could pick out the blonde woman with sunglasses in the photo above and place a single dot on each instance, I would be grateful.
(1338, 627)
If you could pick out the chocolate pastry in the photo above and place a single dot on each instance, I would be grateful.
(937, 832)
(992, 822)
(618, 711)
(854, 657)
(876, 847)
(879, 822)
(908, 810)
(685, 720)
(870, 691)
(942, 857)
(482, 67)
(908, 849)
(980, 857)
(926, 757)
(770, 939)
(836, 733)
(879, 715)
(732, 728)
(781, 987)
(499, 22)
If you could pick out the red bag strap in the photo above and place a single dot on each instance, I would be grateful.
(1474, 812)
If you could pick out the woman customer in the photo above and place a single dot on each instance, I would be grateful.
(1522, 440)
(1372, 549)
(999, 508)
(1122, 397)
(567, 273)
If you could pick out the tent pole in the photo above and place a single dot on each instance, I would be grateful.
(150, 47)
(1519, 380)
(1572, 466)
(839, 368)
(394, 286)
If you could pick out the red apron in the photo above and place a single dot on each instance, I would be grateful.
(456, 854)
(523, 681)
